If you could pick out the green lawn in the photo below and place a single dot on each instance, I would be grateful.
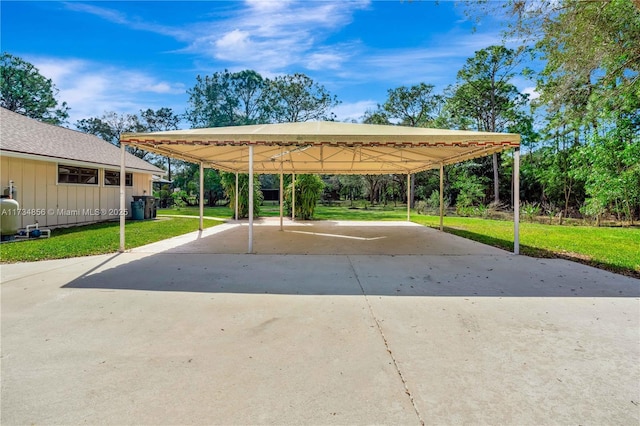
(616, 249)
(358, 212)
(97, 239)
(219, 211)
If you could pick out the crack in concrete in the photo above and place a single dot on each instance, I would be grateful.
(386, 344)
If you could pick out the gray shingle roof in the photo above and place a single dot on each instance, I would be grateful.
(25, 135)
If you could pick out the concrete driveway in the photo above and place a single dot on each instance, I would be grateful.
(329, 323)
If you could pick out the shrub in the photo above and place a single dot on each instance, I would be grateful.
(530, 210)
(228, 182)
(471, 190)
(433, 202)
(464, 211)
(421, 207)
(481, 211)
(593, 208)
(309, 189)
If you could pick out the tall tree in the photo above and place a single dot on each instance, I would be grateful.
(248, 87)
(610, 167)
(110, 126)
(414, 106)
(227, 99)
(294, 98)
(590, 50)
(25, 91)
(160, 120)
(485, 96)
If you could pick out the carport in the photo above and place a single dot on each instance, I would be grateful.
(324, 148)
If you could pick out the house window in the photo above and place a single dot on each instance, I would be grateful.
(112, 178)
(78, 175)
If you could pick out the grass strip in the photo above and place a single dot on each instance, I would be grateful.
(613, 249)
(97, 238)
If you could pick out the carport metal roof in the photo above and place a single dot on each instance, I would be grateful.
(322, 147)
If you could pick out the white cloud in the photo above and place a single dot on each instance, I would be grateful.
(435, 63)
(325, 60)
(91, 88)
(273, 36)
(532, 92)
(354, 110)
(117, 17)
(233, 45)
(108, 14)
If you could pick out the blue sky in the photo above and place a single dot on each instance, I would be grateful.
(125, 56)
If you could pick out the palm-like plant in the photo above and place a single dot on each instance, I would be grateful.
(308, 191)
(228, 182)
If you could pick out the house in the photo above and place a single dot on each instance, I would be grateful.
(65, 177)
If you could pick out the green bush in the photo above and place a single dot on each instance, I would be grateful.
(530, 210)
(473, 211)
(182, 199)
(464, 211)
(228, 182)
(309, 189)
(421, 207)
(481, 211)
(593, 208)
(472, 189)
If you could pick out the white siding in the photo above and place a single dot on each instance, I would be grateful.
(64, 204)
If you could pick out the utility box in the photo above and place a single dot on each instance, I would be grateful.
(149, 205)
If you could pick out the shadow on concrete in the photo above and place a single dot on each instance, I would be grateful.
(377, 275)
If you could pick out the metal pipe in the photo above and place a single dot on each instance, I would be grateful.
(293, 196)
(281, 196)
(122, 198)
(441, 196)
(236, 209)
(250, 198)
(201, 204)
(516, 201)
(408, 196)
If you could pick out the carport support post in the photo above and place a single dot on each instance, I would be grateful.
(441, 195)
(281, 195)
(250, 198)
(236, 209)
(408, 197)
(201, 203)
(122, 197)
(516, 201)
(293, 196)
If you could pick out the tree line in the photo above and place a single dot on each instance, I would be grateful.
(580, 134)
